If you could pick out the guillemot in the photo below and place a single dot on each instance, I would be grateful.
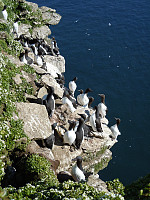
(73, 85)
(25, 58)
(15, 27)
(95, 121)
(77, 170)
(50, 101)
(79, 134)
(83, 99)
(70, 136)
(85, 127)
(101, 106)
(114, 129)
(4, 12)
(91, 99)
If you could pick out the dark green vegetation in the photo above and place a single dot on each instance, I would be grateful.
(139, 189)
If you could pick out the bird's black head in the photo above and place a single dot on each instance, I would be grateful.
(102, 97)
(117, 120)
(50, 90)
(4, 7)
(16, 20)
(81, 120)
(88, 90)
(72, 124)
(83, 116)
(81, 91)
(78, 159)
(26, 52)
(75, 79)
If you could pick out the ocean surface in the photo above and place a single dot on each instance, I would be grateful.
(106, 44)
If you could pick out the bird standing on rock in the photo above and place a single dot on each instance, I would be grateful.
(70, 136)
(65, 100)
(85, 127)
(25, 58)
(73, 85)
(79, 134)
(101, 106)
(79, 96)
(95, 121)
(4, 12)
(114, 129)
(50, 101)
(77, 171)
(15, 26)
(83, 99)
(91, 99)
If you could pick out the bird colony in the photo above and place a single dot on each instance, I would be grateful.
(89, 119)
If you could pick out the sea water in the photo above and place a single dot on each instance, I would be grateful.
(106, 44)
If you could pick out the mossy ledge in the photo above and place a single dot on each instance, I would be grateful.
(28, 169)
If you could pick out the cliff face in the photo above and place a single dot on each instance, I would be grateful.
(95, 150)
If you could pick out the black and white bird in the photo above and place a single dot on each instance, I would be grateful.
(55, 49)
(83, 98)
(73, 85)
(68, 95)
(79, 133)
(15, 27)
(95, 121)
(24, 40)
(102, 107)
(38, 59)
(114, 129)
(85, 127)
(77, 171)
(25, 58)
(91, 99)
(70, 136)
(4, 12)
(49, 141)
(66, 100)
(50, 101)
(79, 97)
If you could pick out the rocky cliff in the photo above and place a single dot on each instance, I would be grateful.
(37, 126)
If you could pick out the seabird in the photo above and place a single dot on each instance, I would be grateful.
(25, 58)
(79, 134)
(49, 142)
(65, 100)
(24, 41)
(15, 26)
(102, 108)
(85, 127)
(70, 136)
(50, 101)
(4, 12)
(83, 99)
(77, 170)
(79, 97)
(73, 100)
(95, 121)
(55, 48)
(114, 129)
(98, 120)
(91, 99)
(37, 55)
(73, 85)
